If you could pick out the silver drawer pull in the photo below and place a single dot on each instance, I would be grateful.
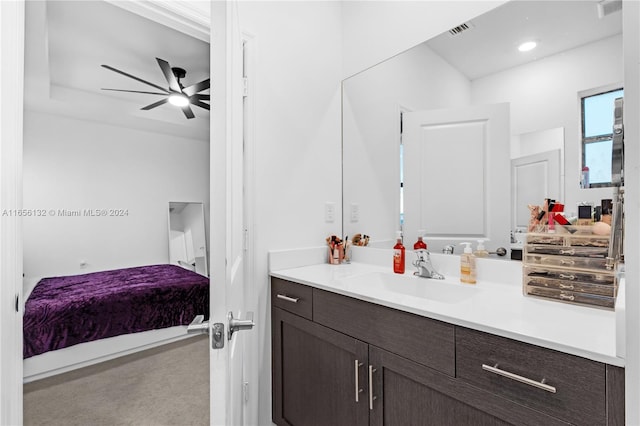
(567, 277)
(358, 364)
(570, 251)
(567, 297)
(287, 298)
(371, 397)
(566, 286)
(567, 262)
(540, 385)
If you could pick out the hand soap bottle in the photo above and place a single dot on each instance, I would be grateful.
(398, 254)
(420, 244)
(481, 251)
(467, 265)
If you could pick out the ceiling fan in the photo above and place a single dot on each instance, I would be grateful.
(176, 94)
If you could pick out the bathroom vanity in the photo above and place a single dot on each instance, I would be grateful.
(356, 345)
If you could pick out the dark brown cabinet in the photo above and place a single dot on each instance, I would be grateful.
(342, 361)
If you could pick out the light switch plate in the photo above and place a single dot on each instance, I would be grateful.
(355, 212)
(329, 212)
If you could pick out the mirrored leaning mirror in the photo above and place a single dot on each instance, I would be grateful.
(456, 135)
(187, 239)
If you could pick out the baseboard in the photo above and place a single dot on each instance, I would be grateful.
(90, 353)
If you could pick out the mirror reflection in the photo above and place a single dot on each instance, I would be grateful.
(453, 186)
(187, 240)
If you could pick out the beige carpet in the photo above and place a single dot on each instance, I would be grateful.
(168, 385)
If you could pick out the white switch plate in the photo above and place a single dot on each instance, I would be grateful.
(355, 212)
(329, 212)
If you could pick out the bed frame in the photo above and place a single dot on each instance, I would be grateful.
(84, 354)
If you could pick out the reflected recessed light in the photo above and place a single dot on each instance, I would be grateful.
(527, 46)
(178, 99)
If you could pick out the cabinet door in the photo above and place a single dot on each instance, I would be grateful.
(406, 393)
(319, 374)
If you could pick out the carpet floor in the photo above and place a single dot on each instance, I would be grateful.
(168, 385)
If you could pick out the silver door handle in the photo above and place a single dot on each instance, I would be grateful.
(371, 396)
(540, 385)
(239, 324)
(198, 325)
(357, 366)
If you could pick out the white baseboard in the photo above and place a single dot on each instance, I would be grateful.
(82, 355)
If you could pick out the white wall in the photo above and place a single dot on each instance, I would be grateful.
(373, 31)
(544, 95)
(419, 79)
(73, 164)
(296, 123)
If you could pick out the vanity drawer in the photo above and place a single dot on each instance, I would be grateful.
(565, 386)
(566, 261)
(292, 297)
(572, 296)
(423, 340)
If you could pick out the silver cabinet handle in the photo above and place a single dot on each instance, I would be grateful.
(371, 396)
(358, 364)
(540, 385)
(287, 298)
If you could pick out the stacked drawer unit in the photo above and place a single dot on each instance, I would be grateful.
(571, 268)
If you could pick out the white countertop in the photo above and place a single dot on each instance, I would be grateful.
(494, 307)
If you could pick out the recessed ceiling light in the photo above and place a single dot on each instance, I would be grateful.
(178, 99)
(527, 46)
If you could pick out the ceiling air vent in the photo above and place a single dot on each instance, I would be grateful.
(607, 7)
(453, 32)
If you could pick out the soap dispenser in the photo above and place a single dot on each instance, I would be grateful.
(467, 265)
(420, 244)
(398, 254)
(480, 250)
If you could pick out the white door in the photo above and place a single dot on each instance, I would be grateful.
(456, 175)
(533, 178)
(227, 216)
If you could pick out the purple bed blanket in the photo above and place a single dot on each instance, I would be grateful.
(65, 311)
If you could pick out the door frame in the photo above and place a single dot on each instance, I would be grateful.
(11, 127)
(181, 16)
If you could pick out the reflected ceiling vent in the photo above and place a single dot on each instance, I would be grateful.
(453, 32)
(607, 7)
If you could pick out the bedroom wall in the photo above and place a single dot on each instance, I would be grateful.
(71, 165)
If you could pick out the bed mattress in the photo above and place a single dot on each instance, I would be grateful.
(65, 311)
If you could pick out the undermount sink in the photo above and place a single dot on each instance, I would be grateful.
(444, 291)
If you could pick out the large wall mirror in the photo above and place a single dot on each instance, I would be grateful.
(475, 113)
(187, 239)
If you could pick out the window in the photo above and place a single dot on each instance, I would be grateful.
(597, 135)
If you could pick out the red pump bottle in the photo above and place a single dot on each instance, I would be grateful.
(398, 255)
(420, 244)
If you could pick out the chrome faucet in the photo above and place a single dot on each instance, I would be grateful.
(425, 268)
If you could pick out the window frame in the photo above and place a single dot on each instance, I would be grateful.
(599, 138)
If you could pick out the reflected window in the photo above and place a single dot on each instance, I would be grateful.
(597, 135)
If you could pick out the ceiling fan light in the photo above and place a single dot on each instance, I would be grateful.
(178, 99)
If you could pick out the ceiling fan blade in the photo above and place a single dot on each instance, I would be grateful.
(168, 74)
(136, 91)
(135, 78)
(188, 112)
(198, 103)
(156, 104)
(201, 97)
(195, 88)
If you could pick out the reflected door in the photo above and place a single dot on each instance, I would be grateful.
(456, 175)
(533, 178)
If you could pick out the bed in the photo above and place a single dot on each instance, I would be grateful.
(78, 320)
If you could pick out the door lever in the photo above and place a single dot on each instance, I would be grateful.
(198, 325)
(239, 324)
